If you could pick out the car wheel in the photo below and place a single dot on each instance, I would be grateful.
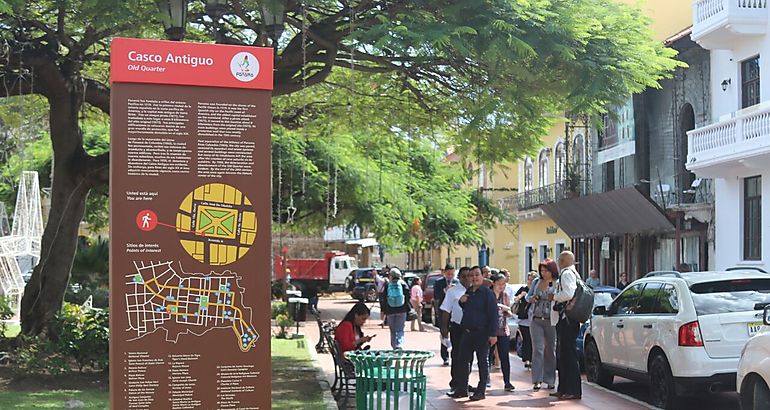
(595, 372)
(755, 395)
(662, 392)
(371, 295)
(348, 285)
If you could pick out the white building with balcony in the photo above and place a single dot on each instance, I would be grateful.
(735, 149)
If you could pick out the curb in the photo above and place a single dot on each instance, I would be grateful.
(623, 396)
(326, 389)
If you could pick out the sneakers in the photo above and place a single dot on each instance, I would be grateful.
(509, 387)
(446, 362)
(536, 386)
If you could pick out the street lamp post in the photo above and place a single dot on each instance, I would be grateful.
(272, 17)
(174, 18)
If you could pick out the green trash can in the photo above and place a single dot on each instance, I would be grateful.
(390, 379)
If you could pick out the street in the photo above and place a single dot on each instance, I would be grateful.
(624, 395)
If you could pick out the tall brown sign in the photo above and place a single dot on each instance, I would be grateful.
(190, 226)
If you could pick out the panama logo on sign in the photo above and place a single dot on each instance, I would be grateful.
(244, 66)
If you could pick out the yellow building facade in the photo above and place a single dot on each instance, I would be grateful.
(522, 186)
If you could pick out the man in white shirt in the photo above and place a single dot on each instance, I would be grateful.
(451, 317)
(566, 332)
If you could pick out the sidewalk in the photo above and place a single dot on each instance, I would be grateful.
(438, 375)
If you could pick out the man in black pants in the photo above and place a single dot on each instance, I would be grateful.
(439, 292)
(566, 332)
(451, 318)
(479, 326)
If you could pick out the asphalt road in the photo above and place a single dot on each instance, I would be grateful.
(716, 401)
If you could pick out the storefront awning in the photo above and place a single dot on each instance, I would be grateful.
(613, 213)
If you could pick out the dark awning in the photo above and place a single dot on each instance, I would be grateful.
(613, 213)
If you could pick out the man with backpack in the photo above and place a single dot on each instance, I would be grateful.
(569, 387)
(396, 306)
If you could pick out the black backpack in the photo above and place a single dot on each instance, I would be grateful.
(580, 307)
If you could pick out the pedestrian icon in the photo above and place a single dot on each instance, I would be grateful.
(146, 220)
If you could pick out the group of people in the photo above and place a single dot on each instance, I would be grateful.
(474, 307)
(398, 303)
(474, 323)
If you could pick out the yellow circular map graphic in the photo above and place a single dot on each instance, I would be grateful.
(216, 224)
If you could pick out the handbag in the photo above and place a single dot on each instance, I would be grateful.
(411, 314)
(581, 305)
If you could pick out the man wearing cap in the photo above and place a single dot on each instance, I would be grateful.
(396, 307)
(439, 292)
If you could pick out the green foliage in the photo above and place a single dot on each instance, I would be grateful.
(91, 265)
(78, 338)
(283, 322)
(279, 309)
(6, 313)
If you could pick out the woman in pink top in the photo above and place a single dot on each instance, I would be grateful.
(416, 300)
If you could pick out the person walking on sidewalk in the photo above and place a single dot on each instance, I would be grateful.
(440, 287)
(416, 299)
(503, 332)
(567, 330)
(451, 320)
(479, 326)
(542, 325)
(396, 306)
(521, 307)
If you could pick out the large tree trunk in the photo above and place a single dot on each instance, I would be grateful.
(75, 173)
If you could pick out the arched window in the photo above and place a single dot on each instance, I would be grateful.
(528, 174)
(561, 159)
(542, 168)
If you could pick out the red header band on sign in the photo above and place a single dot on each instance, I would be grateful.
(175, 62)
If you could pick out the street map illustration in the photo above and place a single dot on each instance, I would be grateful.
(179, 303)
(216, 224)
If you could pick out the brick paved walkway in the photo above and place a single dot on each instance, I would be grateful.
(438, 375)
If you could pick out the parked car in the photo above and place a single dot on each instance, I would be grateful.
(682, 333)
(429, 312)
(603, 296)
(754, 369)
(364, 286)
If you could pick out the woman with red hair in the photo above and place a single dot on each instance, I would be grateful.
(543, 325)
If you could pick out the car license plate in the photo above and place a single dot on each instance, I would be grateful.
(754, 328)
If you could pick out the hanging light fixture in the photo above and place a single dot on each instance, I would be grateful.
(272, 17)
(174, 14)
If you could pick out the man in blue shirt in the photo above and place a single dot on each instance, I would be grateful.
(439, 293)
(479, 326)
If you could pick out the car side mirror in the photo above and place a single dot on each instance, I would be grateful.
(600, 310)
(767, 315)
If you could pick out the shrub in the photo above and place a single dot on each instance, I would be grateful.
(279, 308)
(77, 338)
(6, 313)
(283, 323)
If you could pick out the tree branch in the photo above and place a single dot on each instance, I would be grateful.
(98, 95)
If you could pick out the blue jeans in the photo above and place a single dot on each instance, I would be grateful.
(396, 322)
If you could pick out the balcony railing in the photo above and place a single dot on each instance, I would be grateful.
(745, 133)
(715, 21)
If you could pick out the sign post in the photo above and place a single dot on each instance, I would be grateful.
(190, 226)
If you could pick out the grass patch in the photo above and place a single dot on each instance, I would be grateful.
(294, 385)
(54, 399)
(12, 330)
(294, 379)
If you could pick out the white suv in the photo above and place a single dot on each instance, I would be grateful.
(754, 370)
(680, 332)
